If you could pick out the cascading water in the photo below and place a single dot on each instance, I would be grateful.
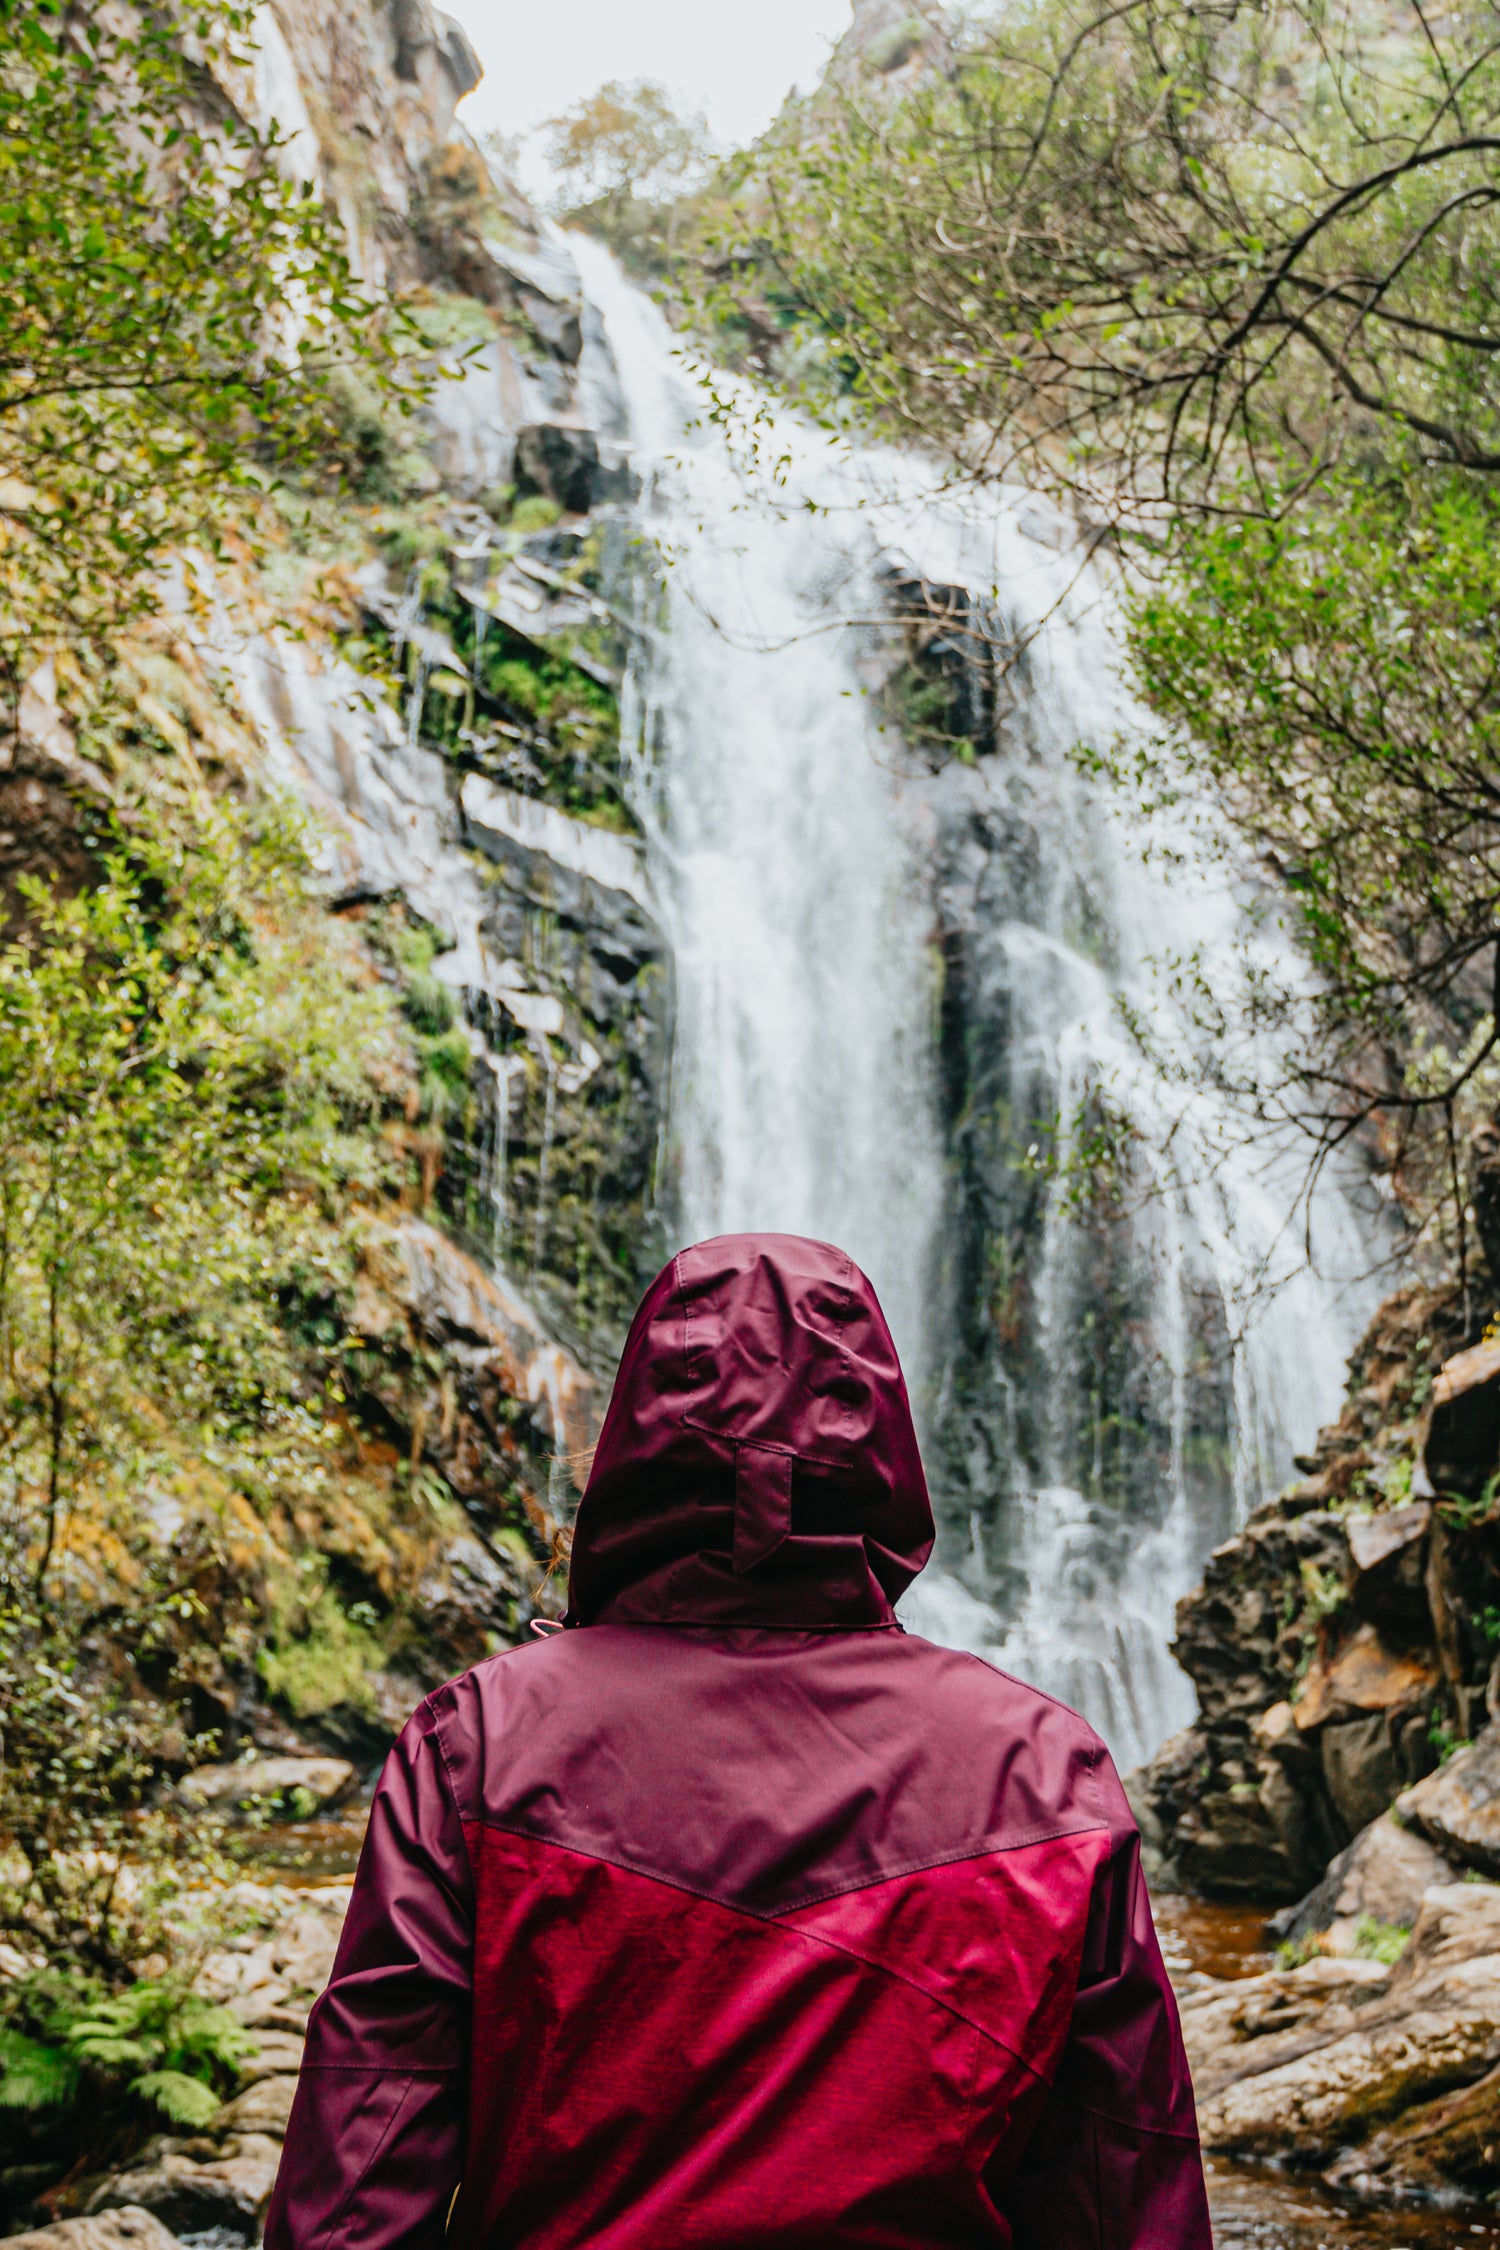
(802, 1100)
(794, 861)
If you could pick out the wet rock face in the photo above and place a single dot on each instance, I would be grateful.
(1458, 1807)
(1380, 1878)
(1310, 1724)
(469, 1601)
(560, 462)
(581, 1136)
(1463, 1436)
(1346, 1638)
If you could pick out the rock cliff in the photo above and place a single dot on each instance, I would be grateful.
(429, 669)
(1346, 1759)
(1344, 1641)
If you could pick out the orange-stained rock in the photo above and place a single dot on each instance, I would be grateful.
(1364, 1676)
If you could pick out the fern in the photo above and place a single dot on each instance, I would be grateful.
(186, 2101)
(155, 2041)
(33, 2076)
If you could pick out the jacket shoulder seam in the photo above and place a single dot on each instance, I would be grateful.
(970, 1851)
(1091, 1739)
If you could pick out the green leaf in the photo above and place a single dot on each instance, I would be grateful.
(186, 2101)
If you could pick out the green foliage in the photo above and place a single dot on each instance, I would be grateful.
(1444, 1740)
(1125, 247)
(1324, 1593)
(533, 512)
(1335, 670)
(89, 1873)
(36, 2076)
(317, 1658)
(1380, 1941)
(1373, 1941)
(156, 2042)
(1466, 1511)
(621, 158)
(178, 316)
(183, 1073)
(187, 1115)
(444, 1051)
(1396, 1491)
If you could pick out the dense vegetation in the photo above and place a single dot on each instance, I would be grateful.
(1227, 280)
(198, 1069)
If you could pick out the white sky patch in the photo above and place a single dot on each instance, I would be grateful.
(735, 64)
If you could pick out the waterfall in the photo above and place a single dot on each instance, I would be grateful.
(795, 855)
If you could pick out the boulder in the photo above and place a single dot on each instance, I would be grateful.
(1359, 1766)
(1363, 1675)
(283, 1782)
(1380, 1877)
(190, 2197)
(1458, 1807)
(1389, 1555)
(278, 2053)
(262, 2108)
(560, 460)
(1279, 2078)
(1230, 2028)
(270, 1983)
(1463, 1439)
(304, 1949)
(129, 2228)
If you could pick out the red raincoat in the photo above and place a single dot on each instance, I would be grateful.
(734, 1917)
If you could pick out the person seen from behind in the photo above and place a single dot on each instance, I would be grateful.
(732, 1916)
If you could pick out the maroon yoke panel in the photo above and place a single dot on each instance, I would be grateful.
(766, 1769)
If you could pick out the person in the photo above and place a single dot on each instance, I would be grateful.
(731, 1915)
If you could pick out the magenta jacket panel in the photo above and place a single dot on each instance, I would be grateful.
(733, 1916)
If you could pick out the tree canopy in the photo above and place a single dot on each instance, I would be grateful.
(176, 312)
(622, 158)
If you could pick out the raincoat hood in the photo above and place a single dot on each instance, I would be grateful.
(758, 1463)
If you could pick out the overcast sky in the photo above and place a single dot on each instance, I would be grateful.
(734, 62)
